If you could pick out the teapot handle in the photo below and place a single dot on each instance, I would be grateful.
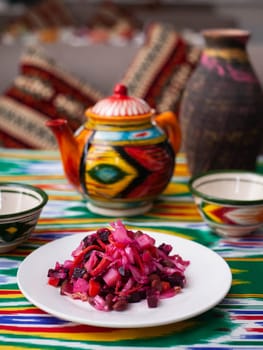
(168, 121)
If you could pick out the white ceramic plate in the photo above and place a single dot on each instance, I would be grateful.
(208, 281)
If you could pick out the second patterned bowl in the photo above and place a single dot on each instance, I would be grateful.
(230, 202)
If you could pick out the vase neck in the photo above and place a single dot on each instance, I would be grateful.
(226, 38)
(226, 43)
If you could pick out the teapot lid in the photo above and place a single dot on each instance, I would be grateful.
(120, 104)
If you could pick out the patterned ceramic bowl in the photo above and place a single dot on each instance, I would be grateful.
(231, 202)
(20, 207)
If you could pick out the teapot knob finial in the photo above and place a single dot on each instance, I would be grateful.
(120, 90)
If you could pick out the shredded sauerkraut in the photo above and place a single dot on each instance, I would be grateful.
(114, 267)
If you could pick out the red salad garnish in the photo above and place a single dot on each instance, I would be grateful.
(116, 266)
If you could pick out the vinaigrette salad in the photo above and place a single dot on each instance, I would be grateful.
(114, 267)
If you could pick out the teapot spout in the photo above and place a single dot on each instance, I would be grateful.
(69, 149)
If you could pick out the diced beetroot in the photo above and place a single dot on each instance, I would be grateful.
(80, 285)
(66, 288)
(152, 297)
(59, 272)
(166, 248)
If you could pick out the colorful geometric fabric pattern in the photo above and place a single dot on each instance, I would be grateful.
(124, 174)
(42, 90)
(235, 323)
(105, 169)
(161, 68)
(231, 215)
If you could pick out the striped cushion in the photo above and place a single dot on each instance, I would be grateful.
(40, 92)
(161, 68)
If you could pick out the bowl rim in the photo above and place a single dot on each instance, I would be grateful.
(221, 200)
(25, 186)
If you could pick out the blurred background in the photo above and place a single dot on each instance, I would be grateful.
(102, 42)
(120, 23)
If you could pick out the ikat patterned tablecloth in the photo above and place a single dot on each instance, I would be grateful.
(235, 323)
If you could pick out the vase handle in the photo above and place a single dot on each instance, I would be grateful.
(168, 121)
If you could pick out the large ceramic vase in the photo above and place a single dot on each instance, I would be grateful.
(222, 107)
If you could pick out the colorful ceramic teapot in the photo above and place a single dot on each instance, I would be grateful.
(123, 157)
